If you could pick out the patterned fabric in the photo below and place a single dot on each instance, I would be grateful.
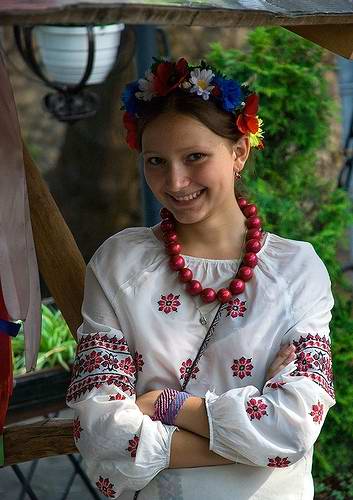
(99, 359)
(141, 332)
(314, 361)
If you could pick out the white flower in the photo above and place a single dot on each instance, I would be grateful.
(201, 82)
(146, 86)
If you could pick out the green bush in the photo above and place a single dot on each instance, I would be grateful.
(295, 202)
(57, 346)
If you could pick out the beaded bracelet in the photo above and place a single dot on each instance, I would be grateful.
(168, 405)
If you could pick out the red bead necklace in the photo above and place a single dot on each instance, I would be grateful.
(245, 271)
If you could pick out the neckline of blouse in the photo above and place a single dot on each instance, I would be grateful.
(192, 258)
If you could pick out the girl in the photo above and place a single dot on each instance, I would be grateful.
(203, 367)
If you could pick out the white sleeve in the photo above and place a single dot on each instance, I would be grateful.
(122, 448)
(277, 427)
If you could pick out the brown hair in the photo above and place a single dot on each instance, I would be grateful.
(209, 113)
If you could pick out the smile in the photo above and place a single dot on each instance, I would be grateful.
(190, 197)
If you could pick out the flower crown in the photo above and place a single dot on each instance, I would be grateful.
(164, 77)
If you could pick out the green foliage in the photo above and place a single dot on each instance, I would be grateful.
(295, 201)
(57, 346)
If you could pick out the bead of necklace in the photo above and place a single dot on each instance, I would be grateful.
(245, 270)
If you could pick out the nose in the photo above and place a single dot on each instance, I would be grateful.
(177, 178)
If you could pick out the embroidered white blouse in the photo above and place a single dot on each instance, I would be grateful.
(141, 331)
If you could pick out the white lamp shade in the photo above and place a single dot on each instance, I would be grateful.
(64, 51)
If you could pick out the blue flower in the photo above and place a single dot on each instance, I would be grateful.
(129, 99)
(231, 92)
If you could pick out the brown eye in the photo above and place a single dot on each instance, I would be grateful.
(154, 161)
(196, 156)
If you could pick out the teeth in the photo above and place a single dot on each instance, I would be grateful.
(190, 197)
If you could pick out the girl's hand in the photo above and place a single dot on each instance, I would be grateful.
(285, 356)
(146, 402)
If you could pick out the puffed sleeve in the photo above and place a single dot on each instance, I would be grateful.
(277, 427)
(122, 448)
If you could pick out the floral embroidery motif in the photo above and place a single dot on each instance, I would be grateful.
(127, 365)
(102, 358)
(169, 303)
(314, 361)
(242, 367)
(186, 367)
(132, 448)
(278, 462)
(256, 409)
(236, 308)
(275, 385)
(106, 487)
(77, 429)
(116, 397)
(317, 412)
(139, 362)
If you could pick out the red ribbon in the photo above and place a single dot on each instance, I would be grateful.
(6, 377)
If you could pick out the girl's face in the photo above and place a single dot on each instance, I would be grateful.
(189, 168)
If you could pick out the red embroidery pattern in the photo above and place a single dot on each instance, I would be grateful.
(275, 385)
(236, 308)
(317, 412)
(116, 397)
(139, 362)
(256, 409)
(169, 303)
(106, 487)
(77, 429)
(242, 367)
(278, 462)
(186, 367)
(133, 444)
(314, 361)
(101, 358)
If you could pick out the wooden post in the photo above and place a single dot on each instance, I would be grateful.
(43, 439)
(59, 259)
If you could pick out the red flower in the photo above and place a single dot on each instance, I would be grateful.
(132, 448)
(247, 120)
(106, 487)
(139, 362)
(317, 412)
(169, 303)
(304, 361)
(169, 76)
(92, 361)
(242, 367)
(236, 308)
(278, 462)
(256, 409)
(186, 367)
(131, 127)
(77, 429)
(127, 365)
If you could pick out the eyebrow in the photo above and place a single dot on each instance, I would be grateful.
(196, 148)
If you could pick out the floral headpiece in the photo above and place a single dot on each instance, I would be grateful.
(164, 77)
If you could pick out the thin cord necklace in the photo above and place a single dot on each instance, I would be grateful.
(203, 319)
(245, 270)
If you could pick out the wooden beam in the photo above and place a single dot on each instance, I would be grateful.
(59, 260)
(39, 440)
(337, 38)
(212, 13)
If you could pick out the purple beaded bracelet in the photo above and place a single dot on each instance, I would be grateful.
(168, 405)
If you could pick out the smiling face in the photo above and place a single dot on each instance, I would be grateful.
(190, 169)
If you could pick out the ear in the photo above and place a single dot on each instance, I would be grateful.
(241, 150)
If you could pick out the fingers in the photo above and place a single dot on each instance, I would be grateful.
(285, 356)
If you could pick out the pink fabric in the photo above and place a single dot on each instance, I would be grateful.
(18, 262)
